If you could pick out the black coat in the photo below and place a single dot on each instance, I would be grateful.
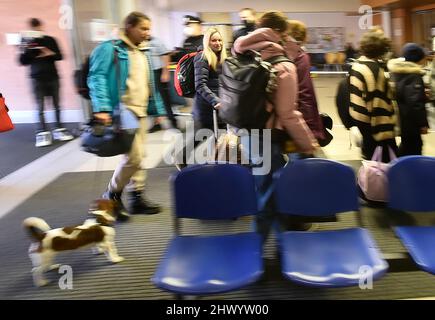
(410, 96)
(242, 32)
(207, 90)
(191, 44)
(42, 68)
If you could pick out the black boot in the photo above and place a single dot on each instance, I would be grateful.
(156, 127)
(120, 211)
(138, 205)
(174, 123)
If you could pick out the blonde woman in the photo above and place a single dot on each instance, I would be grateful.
(207, 68)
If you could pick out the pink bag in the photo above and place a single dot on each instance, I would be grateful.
(372, 176)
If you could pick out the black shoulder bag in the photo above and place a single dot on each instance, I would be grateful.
(117, 138)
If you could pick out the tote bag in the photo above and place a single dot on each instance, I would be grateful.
(372, 176)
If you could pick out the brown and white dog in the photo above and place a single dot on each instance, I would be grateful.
(96, 231)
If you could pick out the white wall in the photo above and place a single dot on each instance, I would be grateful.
(262, 5)
(169, 26)
(176, 27)
(333, 19)
(353, 31)
(167, 14)
(166, 25)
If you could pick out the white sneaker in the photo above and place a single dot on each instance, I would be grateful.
(62, 135)
(43, 139)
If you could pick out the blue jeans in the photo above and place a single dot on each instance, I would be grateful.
(265, 188)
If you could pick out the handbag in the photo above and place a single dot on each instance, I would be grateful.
(327, 125)
(113, 140)
(116, 139)
(372, 176)
(5, 121)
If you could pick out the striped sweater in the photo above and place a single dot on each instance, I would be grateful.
(370, 98)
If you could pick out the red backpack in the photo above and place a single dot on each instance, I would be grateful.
(184, 78)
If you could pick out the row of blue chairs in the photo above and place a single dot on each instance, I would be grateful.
(198, 265)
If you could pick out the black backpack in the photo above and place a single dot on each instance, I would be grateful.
(184, 77)
(342, 101)
(244, 86)
(81, 80)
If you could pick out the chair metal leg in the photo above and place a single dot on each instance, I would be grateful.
(400, 262)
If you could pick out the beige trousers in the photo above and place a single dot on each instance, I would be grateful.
(129, 174)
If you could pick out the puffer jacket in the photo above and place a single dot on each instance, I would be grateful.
(207, 88)
(284, 101)
(410, 95)
(103, 78)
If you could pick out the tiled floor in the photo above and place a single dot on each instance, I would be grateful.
(25, 182)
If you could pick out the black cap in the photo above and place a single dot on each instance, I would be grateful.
(413, 52)
(191, 19)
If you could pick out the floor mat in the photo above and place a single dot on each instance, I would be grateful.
(17, 147)
(142, 241)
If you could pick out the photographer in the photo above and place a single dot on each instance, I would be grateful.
(41, 52)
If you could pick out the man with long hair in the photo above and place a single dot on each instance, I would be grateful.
(132, 68)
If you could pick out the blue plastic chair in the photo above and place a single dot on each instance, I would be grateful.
(338, 258)
(199, 265)
(411, 183)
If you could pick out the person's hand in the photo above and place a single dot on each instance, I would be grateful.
(217, 106)
(424, 130)
(45, 52)
(22, 46)
(166, 76)
(103, 117)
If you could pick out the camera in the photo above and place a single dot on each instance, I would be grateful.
(32, 40)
